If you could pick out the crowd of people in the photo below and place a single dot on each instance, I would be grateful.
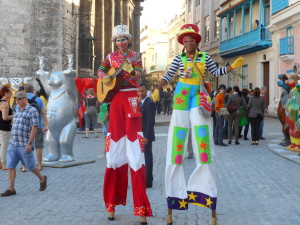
(234, 110)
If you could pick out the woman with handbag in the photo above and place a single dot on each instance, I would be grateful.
(234, 102)
(256, 114)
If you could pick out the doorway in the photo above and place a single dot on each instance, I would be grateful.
(266, 78)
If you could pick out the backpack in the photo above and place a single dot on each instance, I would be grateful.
(34, 104)
(167, 96)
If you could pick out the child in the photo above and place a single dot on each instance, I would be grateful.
(103, 116)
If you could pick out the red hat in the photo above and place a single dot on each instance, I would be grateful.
(189, 29)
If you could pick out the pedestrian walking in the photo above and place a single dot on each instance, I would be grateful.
(256, 114)
(167, 101)
(263, 91)
(219, 128)
(20, 147)
(148, 109)
(90, 103)
(5, 124)
(156, 99)
(42, 124)
(124, 142)
(235, 101)
(191, 109)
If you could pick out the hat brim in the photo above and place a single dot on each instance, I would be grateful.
(193, 34)
(129, 36)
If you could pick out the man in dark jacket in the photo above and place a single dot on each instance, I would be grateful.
(148, 110)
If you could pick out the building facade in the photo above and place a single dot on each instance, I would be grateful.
(55, 28)
(285, 28)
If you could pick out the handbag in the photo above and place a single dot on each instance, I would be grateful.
(224, 112)
(233, 107)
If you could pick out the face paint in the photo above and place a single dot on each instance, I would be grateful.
(121, 42)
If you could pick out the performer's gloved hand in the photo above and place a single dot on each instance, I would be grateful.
(238, 63)
(107, 80)
(127, 67)
(205, 102)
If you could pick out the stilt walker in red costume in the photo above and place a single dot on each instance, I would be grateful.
(124, 143)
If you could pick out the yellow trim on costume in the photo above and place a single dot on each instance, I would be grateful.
(295, 140)
(199, 204)
(191, 81)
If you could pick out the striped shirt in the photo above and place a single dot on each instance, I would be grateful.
(178, 64)
(22, 123)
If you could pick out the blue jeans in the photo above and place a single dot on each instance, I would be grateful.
(219, 129)
(261, 128)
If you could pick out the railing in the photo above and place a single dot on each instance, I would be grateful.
(287, 46)
(279, 5)
(251, 37)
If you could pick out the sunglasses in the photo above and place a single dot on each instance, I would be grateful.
(19, 99)
(121, 40)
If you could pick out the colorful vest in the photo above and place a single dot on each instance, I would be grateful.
(197, 69)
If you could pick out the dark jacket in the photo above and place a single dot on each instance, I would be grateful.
(148, 110)
(255, 105)
(237, 99)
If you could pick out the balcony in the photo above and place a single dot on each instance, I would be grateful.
(278, 5)
(287, 46)
(246, 43)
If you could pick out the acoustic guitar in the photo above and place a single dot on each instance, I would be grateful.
(105, 93)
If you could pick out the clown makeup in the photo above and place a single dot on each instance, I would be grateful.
(121, 40)
(122, 43)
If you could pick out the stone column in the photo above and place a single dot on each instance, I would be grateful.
(99, 54)
(125, 12)
(107, 27)
(118, 12)
(136, 26)
(202, 23)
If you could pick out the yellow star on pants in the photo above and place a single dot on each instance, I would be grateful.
(182, 204)
(208, 202)
(192, 196)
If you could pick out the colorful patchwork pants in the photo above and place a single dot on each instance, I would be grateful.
(201, 188)
(124, 145)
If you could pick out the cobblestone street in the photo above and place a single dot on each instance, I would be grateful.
(255, 186)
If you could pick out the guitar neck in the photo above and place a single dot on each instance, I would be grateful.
(117, 72)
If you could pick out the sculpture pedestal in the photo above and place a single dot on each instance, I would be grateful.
(57, 164)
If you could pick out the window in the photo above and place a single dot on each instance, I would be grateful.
(246, 19)
(290, 39)
(245, 76)
(206, 28)
(189, 5)
(217, 26)
(198, 2)
(231, 28)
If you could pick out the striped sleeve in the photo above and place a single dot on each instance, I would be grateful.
(212, 67)
(173, 69)
(104, 67)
